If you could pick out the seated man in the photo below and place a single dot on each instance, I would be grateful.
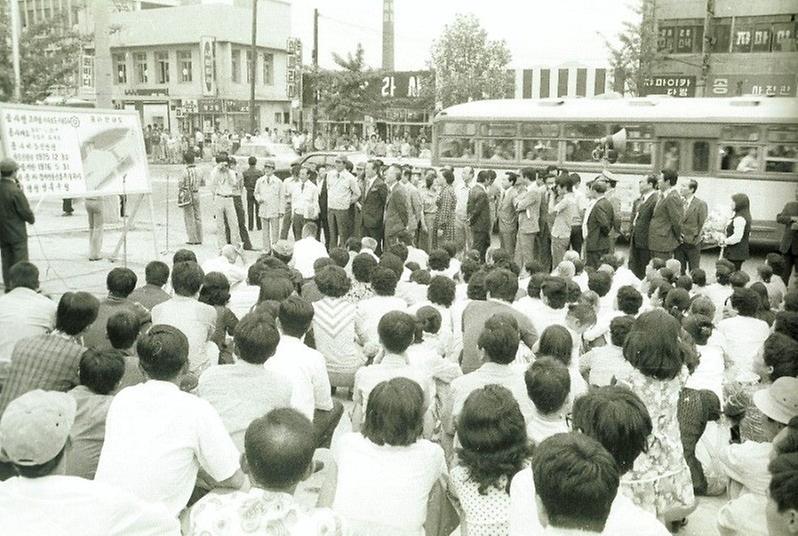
(123, 331)
(244, 296)
(307, 250)
(744, 333)
(100, 372)
(24, 312)
(305, 369)
(278, 455)
(245, 390)
(602, 364)
(548, 384)
(157, 437)
(33, 432)
(50, 361)
(120, 283)
(226, 264)
(156, 276)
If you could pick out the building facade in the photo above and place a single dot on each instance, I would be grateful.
(752, 48)
(566, 80)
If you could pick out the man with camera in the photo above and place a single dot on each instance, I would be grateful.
(223, 185)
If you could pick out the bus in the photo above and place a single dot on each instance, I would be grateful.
(729, 145)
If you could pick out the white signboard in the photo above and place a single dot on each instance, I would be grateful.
(208, 65)
(74, 152)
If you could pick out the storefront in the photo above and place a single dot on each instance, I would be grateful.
(153, 106)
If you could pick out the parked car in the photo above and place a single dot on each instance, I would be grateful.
(282, 154)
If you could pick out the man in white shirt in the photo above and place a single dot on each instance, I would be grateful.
(225, 264)
(414, 254)
(342, 191)
(307, 251)
(306, 370)
(553, 310)
(224, 183)
(245, 296)
(23, 311)
(371, 310)
(745, 334)
(196, 320)
(34, 430)
(304, 202)
(157, 437)
(246, 390)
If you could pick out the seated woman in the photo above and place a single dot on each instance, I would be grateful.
(494, 448)
(215, 292)
(556, 342)
(383, 477)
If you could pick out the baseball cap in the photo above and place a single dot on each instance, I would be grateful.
(35, 427)
(8, 166)
(780, 400)
(268, 164)
(284, 248)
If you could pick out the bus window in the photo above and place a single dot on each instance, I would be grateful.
(740, 133)
(737, 157)
(539, 150)
(539, 130)
(456, 148)
(781, 158)
(585, 130)
(503, 130)
(639, 147)
(458, 129)
(498, 149)
(579, 151)
(671, 155)
(700, 156)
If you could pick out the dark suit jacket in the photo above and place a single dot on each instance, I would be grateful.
(643, 211)
(789, 240)
(322, 184)
(666, 223)
(14, 213)
(478, 210)
(397, 210)
(373, 204)
(599, 224)
(693, 222)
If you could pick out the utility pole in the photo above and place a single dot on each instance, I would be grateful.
(13, 10)
(706, 49)
(253, 63)
(315, 59)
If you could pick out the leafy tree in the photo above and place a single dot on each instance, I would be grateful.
(49, 54)
(635, 55)
(469, 66)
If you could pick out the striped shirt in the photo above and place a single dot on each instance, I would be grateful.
(334, 331)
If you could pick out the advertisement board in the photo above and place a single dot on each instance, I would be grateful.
(772, 85)
(208, 65)
(674, 85)
(75, 152)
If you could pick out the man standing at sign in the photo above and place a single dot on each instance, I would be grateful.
(223, 183)
(15, 212)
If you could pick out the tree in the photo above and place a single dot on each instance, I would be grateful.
(635, 56)
(468, 65)
(349, 93)
(49, 54)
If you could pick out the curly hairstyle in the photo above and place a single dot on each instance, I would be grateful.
(362, 266)
(493, 438)
(441, 290)
(333, 281)
(215, 289)
(653, 346)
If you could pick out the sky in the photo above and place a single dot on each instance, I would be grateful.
(537, 32)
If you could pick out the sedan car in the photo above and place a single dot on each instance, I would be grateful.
(282, 154)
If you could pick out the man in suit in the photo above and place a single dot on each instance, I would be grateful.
(666, 221)
(372, 204)
(508, 217)
(324, 222)
(397, 206)
(15, 212)
(789, 240)
(695, 214)
(545, 182)
(527, 206)
(598, 223)
(642, 211)
(478, 213)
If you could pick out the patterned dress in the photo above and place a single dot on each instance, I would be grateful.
(660, 480)
(444, 219)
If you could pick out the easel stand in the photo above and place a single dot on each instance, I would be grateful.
(129, 220)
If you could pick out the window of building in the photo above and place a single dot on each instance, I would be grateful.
(665, 39)
(120, 69)
(701, 156)
(743, 36)
(721, 35)
(268, 69)
(185, 65)
(249, 66)
(784, 37)
(142, 73)
(235, 66)
(162, 67)
(762, 37)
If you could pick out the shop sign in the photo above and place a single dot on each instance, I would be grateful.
(208, 65)
(674, 85)
(87, 71)
(210, 106)
(771, 85)
(237, 106)
(148, 92)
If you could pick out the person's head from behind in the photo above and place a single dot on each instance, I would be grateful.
(776, 262)
(309, 230)
(278, 449)
(75, 312)
(620, 326)
(684, 282)
(34, 430)
(791, 301)
(450, 247)
(499, 339)
(187, 278)
(534, 288)
(573, 291)
(574, 469)
(441, 291)
(702, 305)
(653, 267)
(101, 370)
(400, 250)
(295, 316)
(745, 301)
(353, 244)
(787, 323)
(394, 413)
(428, 320)
(617, 418)
(653, 346)
(383, 281)
(394, 263)
(320, 264)
(739, 279)
(556, 342)
(183, 255)
(215, 289)
(123, 329)
(362, 266)
(765, 272)
(674, 265)
(501, 284)
(23, 274)
(397, 331)
(120, 282)
(156, 273)
(580, 317)
(256, 338)
(781, 511)
(163, 352)
(368, 243)
(339, 256)
(438, 260)
(629, 300)
(599, 282)
(667, 275)
(555, 292)
(762, 291)
(422, 277)
(699, 277)
(275, 288)
(493, 437)
(548, 385)
(677, 302)
(333, 281)
(722, 274)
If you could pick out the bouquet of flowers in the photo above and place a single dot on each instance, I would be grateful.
(714, 230)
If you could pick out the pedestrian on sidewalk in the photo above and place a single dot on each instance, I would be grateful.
(188, 199)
